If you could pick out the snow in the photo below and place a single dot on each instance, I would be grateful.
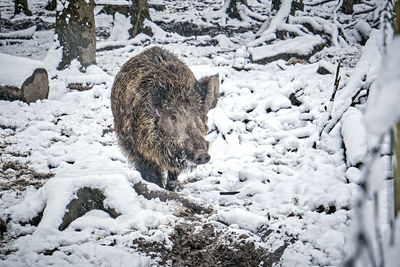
(12, 73)
(354, 136)
(119, 32)
(243, 219)
(269, 29)
(23, 34)
(292, 187)
(384, 97)
(112, 2)
(302, 45)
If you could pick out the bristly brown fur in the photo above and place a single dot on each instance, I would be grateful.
(160, 110)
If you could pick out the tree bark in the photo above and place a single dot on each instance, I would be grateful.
(348, 6)
(75, 27)
(51, 5)
(21, 4)
(232, 9)
(397, 138)
(140, 12)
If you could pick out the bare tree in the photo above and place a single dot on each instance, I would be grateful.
(75, 27)
(21, 4)
(139, 13)
(231, 8)
(348, 6)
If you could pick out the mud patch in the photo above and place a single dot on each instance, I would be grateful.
(194, 244)
(15, 175)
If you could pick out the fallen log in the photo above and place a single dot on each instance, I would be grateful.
(23, 79)
(21, 34)
(302, 47)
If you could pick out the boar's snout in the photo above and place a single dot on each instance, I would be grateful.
(201, 157)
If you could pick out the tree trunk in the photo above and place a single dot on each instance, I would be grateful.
(75, 27)
(348, 6)
(397, 138)
(232, 9)
(21, 4)
(397, 171)
(51, 5)
(140, 12)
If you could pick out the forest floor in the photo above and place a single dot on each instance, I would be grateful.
(276, 192)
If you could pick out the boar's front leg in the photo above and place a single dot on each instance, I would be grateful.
(149, 171)
(171, 181)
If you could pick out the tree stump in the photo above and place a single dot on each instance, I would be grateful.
(140, 12)
(75, 27)
(21, 4)
(23, 79)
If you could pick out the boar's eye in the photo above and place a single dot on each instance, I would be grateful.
(173, 117)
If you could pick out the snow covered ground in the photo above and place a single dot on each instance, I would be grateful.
(296, 187)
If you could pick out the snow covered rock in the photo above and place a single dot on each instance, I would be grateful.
(325, 67)
(22, 79)
(302, 47)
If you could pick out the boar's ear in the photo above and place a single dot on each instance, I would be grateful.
(209, 89)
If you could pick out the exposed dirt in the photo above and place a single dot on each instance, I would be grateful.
(196, 244)
(15, 175)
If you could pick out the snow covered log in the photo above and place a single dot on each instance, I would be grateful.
(22, 34)
(112, 7)
(302, 47)
(354, 136)
(23, 79)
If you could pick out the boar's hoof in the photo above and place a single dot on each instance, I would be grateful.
(202, 157)
(171, 185)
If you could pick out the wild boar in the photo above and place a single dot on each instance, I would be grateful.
(160, 115)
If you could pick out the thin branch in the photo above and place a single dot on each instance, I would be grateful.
(318, 3)
(332, 99)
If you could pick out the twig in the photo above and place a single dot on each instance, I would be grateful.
(229, 193)
(319, 3)
(333, 122)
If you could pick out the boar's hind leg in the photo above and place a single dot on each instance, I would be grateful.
(149, 171)
(171, 181)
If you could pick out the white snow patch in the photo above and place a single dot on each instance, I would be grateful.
(244, 219)
(383, 108)
(277, 102)
(119, 32)
(354, 136)
(22, 34)
(15, 70)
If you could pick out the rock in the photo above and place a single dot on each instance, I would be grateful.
(24, 79)
(325, 67)
(87, 199)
